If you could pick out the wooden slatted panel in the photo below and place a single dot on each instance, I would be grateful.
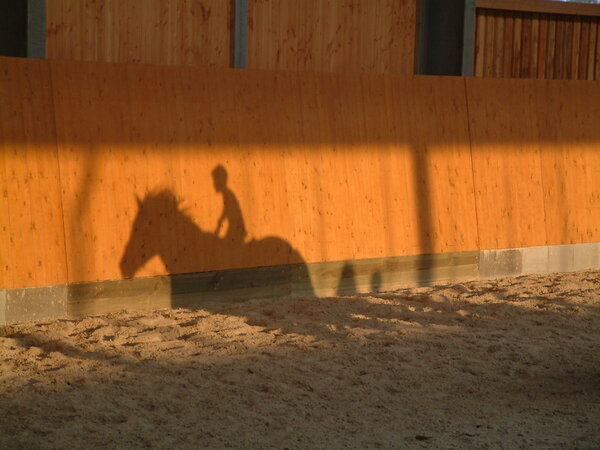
(506, 163)
(173, 32)
(32, 250)
(569, 139)
(520, 44)
(298, 149)
(338, 166)
(332, 35)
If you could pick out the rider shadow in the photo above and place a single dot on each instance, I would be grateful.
(205, 266)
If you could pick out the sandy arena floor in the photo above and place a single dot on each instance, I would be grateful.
(486, 364)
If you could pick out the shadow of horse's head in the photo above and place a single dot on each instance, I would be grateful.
(150, 231)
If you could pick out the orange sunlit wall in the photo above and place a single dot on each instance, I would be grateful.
(331, 166)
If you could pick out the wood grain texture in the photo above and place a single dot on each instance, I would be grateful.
(296, 148)
(506, 163)
(377, 36)
(168, 32)
(320, 167)
(569, 136)
(31, 225)
(535, 45)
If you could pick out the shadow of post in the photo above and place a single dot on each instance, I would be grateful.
(424, 219)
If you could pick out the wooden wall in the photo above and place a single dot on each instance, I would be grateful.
(376, 36)
(32, 240)
(338, 166)
(170, 32)
(550, 40)
(325, 35)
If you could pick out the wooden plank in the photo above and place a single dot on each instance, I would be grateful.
(173, 32)
(597, 56)
(508, 44)
(32, 231)
(332, 35)
(568, 49)
(559, 59)
(570, 160)
(489, 45)
(6, 252)
(480, 44)
(543, 46)
(526, 50)
(506, 163)
(517, 45)
(440, 165)
(551, 56)
(541, 6)
(499, 45)
(584, 46)
(331, 166)
(535, 45)
(593, 57)
(575, 49)
(210, 289)
(263, 129)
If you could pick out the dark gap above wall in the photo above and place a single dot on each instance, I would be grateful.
(440, 37)
(13, 28)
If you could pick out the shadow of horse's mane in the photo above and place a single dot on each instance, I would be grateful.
(165, 200)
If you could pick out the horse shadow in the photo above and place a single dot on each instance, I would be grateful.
(204, 266)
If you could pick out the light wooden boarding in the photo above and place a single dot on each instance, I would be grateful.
(377, 36)
(569, 137)
(338, 166)
(506, 163)
(168, 32)
(31, 227)
(104, 159)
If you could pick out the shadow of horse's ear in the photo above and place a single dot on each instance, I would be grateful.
(139, 201)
